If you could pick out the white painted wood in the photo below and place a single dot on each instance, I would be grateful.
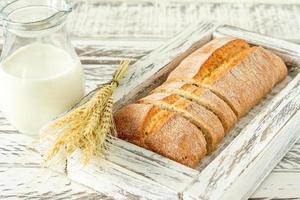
(258, 143)
(131, 169)
(117, 181)
(14, 152)
(151, 70)
(164, 19)
(282, 185)
(251, 146)
(260, 168)
(291, 161)
(23, 177)
(34, 183)
(283, 181)
(290, 52)
(146, 33)
(245, 150)
(173, 179)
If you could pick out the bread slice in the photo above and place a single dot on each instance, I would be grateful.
(203, 97)
(205, 120)
(175, 138)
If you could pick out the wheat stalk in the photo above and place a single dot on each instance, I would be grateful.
(87, 126)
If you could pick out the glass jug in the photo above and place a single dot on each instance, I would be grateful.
(40, 72)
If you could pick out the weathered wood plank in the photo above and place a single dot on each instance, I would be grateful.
(151, 70)
(155, 167)
(232, 163)
(276, 30)
(14, 152)
(153, 170)
(156, 158)
(282, 185)
(277, 112)
(258, 134)
(92, 51)
(291, 161)
(264, 163)
(34, 183)
(121, 183)
(116, 179)
(160, 173)
(164, 19)
(290, 52)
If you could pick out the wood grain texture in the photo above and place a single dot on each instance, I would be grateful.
(119, 182)
(151, 70)
(164, 19)
(23, 177)
(128, 169)
(262, 130)
(258, 142)
(34, 183)
(102, 69)
(282, 185)
(244, 164)
(145, 26)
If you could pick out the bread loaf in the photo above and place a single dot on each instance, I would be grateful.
(187, 116)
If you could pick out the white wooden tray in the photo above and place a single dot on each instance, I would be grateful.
(246, 156)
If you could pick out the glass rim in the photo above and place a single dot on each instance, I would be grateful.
(48, 22)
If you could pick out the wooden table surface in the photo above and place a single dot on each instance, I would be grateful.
(105, 32)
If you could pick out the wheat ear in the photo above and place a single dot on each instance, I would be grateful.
(87, 126)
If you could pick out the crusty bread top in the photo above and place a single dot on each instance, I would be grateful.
(176, 138)
(130, 126)
(203, 61)
(204, 119)
(179, 140)
(205, 95)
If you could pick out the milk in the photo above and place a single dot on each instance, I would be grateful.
(37, 83)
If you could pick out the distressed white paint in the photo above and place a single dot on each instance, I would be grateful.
(284, 184)
(240, 167)
(151, 70)
(100, 64)
(225, 174)
(130, 169)
(164, 19)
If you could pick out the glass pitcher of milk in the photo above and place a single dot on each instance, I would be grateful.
(40, 72)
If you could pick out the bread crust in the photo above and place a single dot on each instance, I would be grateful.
(246, 82)
(176, 138)
(179, 140)
(188, 115)
(204, 60)
(203, 97)
(205, 120)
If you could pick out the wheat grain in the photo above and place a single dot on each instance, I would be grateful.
(87, 126)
